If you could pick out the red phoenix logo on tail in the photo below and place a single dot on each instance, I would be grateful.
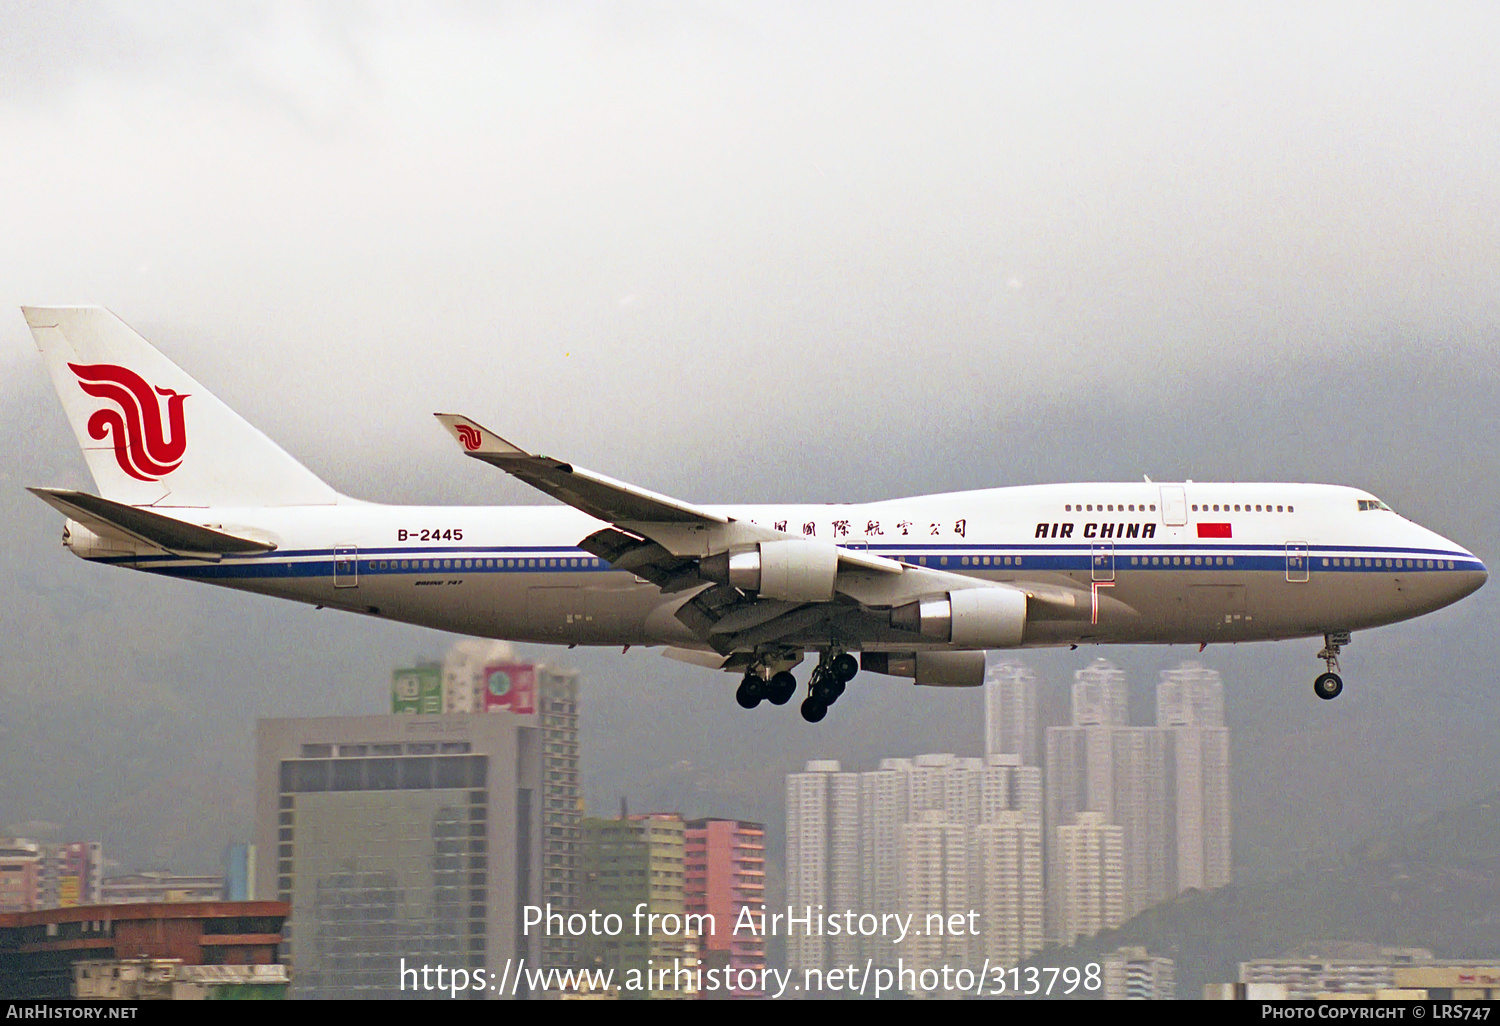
(142, 447)
(469, 436)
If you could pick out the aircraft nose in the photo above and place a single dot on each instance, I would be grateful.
(1470, 576)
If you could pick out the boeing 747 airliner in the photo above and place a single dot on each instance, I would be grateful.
(917, 587)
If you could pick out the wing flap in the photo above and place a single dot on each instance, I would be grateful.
(644, 558)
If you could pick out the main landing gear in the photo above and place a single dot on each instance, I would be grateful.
(834, 670)
(827, 683)
(778, 689)
(1330, 685)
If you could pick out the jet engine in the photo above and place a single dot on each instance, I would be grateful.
(793, 569)
(931, 669)
(971, 618)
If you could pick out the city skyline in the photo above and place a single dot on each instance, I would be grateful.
(966, 831)
(1134, 815)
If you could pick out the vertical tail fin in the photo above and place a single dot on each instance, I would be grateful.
(151, 434)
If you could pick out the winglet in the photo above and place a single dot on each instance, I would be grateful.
(476, 439)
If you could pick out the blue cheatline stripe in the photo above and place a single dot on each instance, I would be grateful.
(892, 551)
(324, 567)
(1066, 558)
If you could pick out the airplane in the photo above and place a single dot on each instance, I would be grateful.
(916, 588)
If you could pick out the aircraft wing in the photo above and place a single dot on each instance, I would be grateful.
(679, 527)
(664, 541)
(602, 498)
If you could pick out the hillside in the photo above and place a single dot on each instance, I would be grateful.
(1434, 885)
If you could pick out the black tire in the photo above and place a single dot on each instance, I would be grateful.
(782, 687)
(813, 710)
(844, 668)
(1328, 686)
(748, 694)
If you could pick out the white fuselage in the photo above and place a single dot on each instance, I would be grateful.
(1193, 563)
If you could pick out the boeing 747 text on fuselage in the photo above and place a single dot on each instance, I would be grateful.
(917, 587)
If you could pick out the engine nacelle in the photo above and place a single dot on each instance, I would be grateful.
(930, 669)
(971, 618)
(793, 569)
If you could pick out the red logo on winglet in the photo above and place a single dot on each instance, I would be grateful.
(142, 446)
(1215, 531)
(468, 436)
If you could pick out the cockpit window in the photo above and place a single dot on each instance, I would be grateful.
(1365, 504)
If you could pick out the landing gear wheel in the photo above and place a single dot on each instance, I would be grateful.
(824, 687)
(781, 688)
(844, 668)
(748, 694)
(813, 710)
(1328, 686)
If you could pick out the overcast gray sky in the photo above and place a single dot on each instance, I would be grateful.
(740, 252)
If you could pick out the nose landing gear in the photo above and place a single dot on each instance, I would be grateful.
(1330, 685)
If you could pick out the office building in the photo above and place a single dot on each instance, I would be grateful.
(479, 676)
(45, 874)
(935, 883)
(399, 837)
(631, 865)
(1006, 887)
(884, 804)
(156, 888)
(724, 867)
(1008, 785)
(561, 842)
(20, 875)
(1133, 974)
(1142, 771)
(228, 947)
(823, 858)
(418, 689)
(1100, 696)
(239, 872)
(1166, 786)
(71, 874)
(1011, 717)
(1190, 709)
(466, 673)
(1089, 877)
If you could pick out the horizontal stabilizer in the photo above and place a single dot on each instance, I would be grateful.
(164, 532)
